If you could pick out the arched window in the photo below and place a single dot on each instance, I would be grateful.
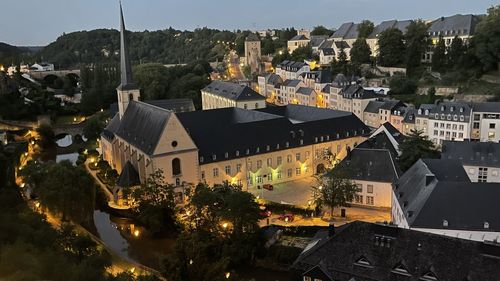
(256, 105)
(176, 166)
(130, 97)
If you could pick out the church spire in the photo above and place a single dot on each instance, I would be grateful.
(125, 66)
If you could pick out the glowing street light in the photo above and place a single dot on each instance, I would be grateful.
(224, 225)
(228, 274)
(136, 233)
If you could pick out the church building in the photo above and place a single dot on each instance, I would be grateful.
(242, 146)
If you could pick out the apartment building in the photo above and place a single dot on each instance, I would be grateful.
(449, 121)
(221, 94)
(291, 69)
(486, 121)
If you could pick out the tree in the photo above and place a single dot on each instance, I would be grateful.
(391, 47)
(456, 52)
(365, 28)
(360, 52)
(487, 40)
(416, 146)
(321, 30)
(416, 41)
(155, 202)
(439, 56)
(302, 53)
(402, 85)
(268, 47)
(93, 128)
(335, 189)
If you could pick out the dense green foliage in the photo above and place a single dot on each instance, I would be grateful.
(391, 47)
(416, 41)
(439, 56)
(402, 85)
(32, 250)
(155, 81)
(487, 40)
(360, 52)
(163, 46)
(365, 28)
(221, 234)
(416, 146)
(321, 30)
(62, 188)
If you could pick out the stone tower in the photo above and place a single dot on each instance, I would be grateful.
(252, 52)
(127, 91)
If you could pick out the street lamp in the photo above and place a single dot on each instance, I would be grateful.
(228, 274)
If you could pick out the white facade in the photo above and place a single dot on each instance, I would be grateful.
(211, 101)
(42, 67)
(486, 126)
(373, 194)
(482, 173)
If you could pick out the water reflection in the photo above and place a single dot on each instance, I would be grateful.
(72, 157)
(65, 141)
(131, 241)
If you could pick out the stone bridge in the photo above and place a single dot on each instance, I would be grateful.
(69, 129)
(40, 75)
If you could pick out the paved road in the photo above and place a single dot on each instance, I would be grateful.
(235, 70)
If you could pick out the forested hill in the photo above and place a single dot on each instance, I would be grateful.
(163, 46)
(8, 53)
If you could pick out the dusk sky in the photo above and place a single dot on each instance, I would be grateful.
(37, 22)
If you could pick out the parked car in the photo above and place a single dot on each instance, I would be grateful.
(268, 187)
(287, 217)
(265, 214)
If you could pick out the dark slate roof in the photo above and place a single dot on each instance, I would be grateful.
(343, 30)
(449, 110)
(273, 79)
(353, 32)
(461, 24)
(385, 25)
(371, 165)
(380, 142)
(391, 104)
(142, 125)
(341, 45)
(409, 116)
(355, 91)
(293, 66)
(326, 88)
(232, 91)
(326, 44)
(373, 106)
(175, 105)
(328, 52)
(466, 206)
(486, 107)
(112, 127)
(239, 130)
(324, 76)
(252, 37)
(470, 153)
(386, 247)
(305, 91)
(317, 40)
(129, 176)
(127, 82)
(425, 107)
(299, 37)
(416, 185)
(291, 83)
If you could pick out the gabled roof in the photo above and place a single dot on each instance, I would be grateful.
(391, 104)
(452, 109)
(373, 106)
(273, 79)
(326, 44)
(387, 247)
(317, 40)
(342, 31)
(341, 45)
(385, 25)
(305, 91)
(369, 164)
(461, 24)
(484, 154)
(175, 105)
(129, 176)
(291, 83)
(232, 91)
(486, 107)
(142, 125)
(355, 91)
(299, 37)
(229, 133)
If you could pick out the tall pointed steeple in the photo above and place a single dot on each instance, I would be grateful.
(127, 91)
(126, 70)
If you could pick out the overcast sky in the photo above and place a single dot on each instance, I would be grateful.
(39, 22)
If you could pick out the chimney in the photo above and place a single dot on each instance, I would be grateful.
(331, 230)
(428, 179)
